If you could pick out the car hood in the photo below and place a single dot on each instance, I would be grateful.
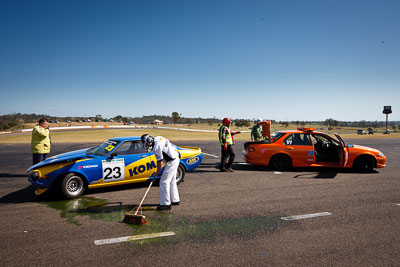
(364, 148)
(61, 157)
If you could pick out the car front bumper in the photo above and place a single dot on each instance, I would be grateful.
(38, 184)
(381, 162)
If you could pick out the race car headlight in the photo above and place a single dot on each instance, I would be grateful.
(381, 154)
(36, 174)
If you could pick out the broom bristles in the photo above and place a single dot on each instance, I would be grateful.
(134, 219)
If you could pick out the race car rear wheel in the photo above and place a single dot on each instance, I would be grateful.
(281, 162)
(72, 185)
(364, 164)
(180, 174)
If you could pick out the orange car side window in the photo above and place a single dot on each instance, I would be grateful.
(298, 139)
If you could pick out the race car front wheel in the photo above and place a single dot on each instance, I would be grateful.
(180, 174)
(72, 186)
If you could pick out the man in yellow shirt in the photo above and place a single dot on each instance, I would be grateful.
(40, 143)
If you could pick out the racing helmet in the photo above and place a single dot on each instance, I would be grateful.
(226, 121)
(146, 138)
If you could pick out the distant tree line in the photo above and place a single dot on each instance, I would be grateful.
(332, 123)
(17, 121)
(360, 124)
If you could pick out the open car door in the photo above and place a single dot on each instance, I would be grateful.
(345, 151)
(266, 129)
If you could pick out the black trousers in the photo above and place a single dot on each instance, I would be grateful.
(225, 163)
(38, 157)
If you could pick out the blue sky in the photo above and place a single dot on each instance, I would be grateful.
(281, 60)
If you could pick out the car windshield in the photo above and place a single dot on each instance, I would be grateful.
(104, 149)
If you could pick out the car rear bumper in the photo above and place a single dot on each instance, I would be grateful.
(256, 159)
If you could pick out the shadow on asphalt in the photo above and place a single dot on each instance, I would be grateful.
(27, 194)
(119, 188)
(326, 173)
(12, 175)
(206, 167)
(317, 175)
(109, 207)
(21, 196)
(314, 173)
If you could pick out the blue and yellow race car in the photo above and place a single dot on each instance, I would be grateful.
(118, 161)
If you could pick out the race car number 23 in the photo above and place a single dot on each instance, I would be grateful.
(113, 170)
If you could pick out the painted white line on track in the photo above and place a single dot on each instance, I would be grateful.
(211, 155)
(398, 204)
(131, 238)
(305, 216)
(277, 173)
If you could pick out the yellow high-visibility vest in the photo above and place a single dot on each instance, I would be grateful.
(40, 142)
(229, 140)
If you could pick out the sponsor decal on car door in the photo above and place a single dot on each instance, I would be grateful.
(113, 170)
(141, 168)
(130, 162)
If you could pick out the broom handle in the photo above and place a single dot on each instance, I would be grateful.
(145, 194)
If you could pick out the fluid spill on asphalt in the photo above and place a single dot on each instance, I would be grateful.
(203, 231)
(99, 209)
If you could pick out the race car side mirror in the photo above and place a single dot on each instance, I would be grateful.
(112, 155)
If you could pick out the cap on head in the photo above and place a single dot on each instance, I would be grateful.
(259, 120)
(226, 121)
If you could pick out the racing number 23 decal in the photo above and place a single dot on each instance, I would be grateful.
(113, 170)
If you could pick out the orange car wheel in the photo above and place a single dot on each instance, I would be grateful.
(364, 164)
(281, 162)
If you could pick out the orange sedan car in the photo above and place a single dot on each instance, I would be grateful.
(305, 147)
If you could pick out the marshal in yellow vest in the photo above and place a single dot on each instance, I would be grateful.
(40, 140)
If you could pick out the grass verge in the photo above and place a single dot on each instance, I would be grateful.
(100, 135)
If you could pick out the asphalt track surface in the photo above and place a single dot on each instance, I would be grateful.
(225, 219)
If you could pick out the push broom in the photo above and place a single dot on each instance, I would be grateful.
(134, 218)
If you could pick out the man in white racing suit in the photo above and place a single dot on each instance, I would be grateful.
(165, 151)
